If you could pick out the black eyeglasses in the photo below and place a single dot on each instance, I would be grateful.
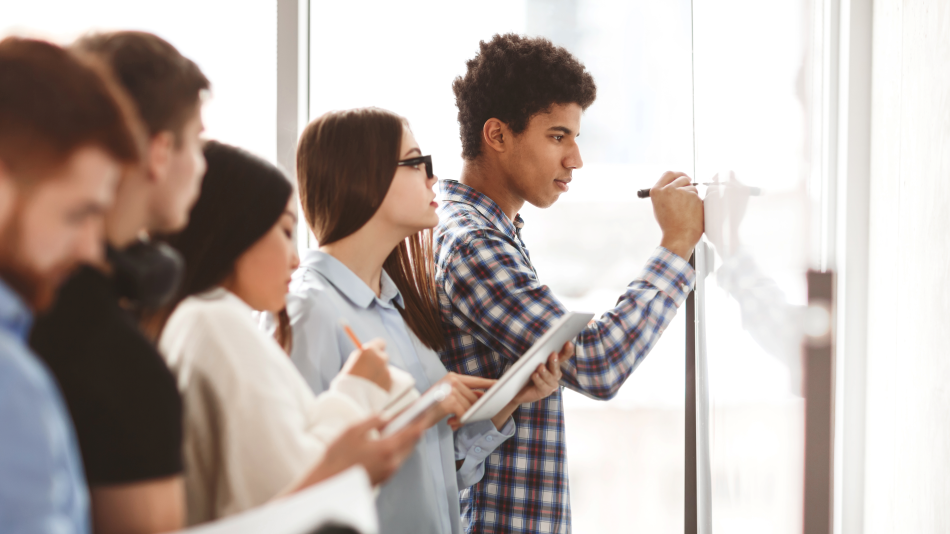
(412, 162)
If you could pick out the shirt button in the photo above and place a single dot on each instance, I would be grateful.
(478, 449)
(488, 438)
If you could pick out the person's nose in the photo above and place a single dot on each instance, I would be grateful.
(573, 159)
(294, 260)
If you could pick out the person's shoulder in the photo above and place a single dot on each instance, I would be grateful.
(85, 304)
(84, 296)
(88, 281)
(311, 295)
(112, 364)
(468, 236)
(309, 285)
(29, 399)
(217, 317)
(213, 333)
(462, 227)
(460, 218)
(22, 375)
(217, 306)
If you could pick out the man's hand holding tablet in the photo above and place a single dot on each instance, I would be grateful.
(544, 381)
(523, 382)
(457, 393)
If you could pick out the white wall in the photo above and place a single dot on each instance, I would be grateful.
(908, 381)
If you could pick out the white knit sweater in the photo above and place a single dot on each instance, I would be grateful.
(253, 427)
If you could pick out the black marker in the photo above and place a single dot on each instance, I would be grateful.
(645, 193)
(753, 191)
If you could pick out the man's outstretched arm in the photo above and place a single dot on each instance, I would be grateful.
(491, 284)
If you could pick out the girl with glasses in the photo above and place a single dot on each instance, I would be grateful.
(366, 191)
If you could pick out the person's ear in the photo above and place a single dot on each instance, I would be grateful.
(8, 195)
(160, 148)
(496, 135)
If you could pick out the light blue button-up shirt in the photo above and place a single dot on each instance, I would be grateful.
(42, 486)
(422, 497)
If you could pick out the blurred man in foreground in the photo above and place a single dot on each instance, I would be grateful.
(66, 136)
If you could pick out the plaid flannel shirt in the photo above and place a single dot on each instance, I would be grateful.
(493, 309)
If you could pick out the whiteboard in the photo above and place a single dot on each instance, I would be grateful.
(755, 139)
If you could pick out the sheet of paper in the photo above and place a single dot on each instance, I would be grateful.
(346, 499)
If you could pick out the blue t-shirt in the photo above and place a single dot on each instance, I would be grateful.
(42, 488)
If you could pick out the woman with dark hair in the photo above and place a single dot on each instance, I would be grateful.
(253, 429)
(367, 194)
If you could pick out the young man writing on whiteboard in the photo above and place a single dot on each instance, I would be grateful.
(520, 106)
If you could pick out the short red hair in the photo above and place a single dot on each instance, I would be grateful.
(52, 103)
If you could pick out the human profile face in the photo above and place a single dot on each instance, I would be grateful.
(262, 274)
(50, 226)
(544, 156)
(409, 204)
(178, 175)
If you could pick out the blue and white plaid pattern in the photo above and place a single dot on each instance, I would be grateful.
(493, 309)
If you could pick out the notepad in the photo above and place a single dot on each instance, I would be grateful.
(498, 396)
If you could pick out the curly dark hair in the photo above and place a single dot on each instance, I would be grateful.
(513, 78)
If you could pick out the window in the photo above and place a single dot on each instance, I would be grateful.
(626, 455)
(239, 56)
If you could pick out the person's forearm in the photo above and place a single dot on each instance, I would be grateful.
(502, 417)
(610, 348)
(474, 443)
(156, 505)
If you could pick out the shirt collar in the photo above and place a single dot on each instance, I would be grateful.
(15, 316)
(350, 285)
(220, 293)
(453, 191)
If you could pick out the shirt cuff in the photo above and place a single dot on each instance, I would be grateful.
(670, 274)
(478, 440)
(474, 443)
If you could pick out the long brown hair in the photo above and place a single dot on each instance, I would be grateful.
(346, 161)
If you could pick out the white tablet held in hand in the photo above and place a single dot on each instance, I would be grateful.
(437, 394)
(498, 396)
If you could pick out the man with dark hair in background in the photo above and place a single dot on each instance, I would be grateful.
(123, 399)
(520, 104)
(66, 135)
